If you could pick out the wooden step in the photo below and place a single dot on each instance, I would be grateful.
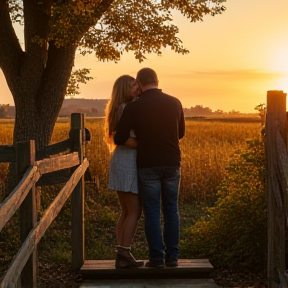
(187, 269)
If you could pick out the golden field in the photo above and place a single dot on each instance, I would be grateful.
(207, 148)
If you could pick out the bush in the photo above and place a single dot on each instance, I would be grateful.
(233, 232)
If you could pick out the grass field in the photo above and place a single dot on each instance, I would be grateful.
(207, 149)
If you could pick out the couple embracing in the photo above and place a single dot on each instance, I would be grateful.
(145, 166)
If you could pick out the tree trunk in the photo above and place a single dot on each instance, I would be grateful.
(37, 109)
(37, 74)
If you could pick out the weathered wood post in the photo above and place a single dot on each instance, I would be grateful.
(77, 198)
(276, 125)
(25, 155)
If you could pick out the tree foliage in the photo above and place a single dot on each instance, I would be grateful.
(108, 28)
(38, 71)
(77, 76)
(261, 108)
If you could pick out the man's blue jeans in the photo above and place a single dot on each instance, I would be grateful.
(160, 185)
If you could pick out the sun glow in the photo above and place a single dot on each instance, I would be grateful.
(279, 64)
(282, 84)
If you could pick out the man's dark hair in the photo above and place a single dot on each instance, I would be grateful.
(146, 76)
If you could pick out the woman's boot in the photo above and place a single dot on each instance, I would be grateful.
(125, 259)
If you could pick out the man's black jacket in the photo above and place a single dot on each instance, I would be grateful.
(158, 121)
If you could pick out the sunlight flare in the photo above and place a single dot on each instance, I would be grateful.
(282, 84)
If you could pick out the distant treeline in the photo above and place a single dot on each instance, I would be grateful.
(90, 107)
(96, 108)
(200, 111)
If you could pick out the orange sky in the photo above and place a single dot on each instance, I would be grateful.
(234, 59)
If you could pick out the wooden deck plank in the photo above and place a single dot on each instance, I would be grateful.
(150, 283)
(187, 268)
(104, 264)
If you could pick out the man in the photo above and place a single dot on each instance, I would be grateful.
(158, 121)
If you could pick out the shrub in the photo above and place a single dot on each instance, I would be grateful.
(233, 232)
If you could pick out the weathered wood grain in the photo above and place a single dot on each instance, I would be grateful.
(49, 165)
(282, 161)
(77, 135)
(56, 170)
(10, 205)
(35, 235)
(187, 268)
(275, 129)
(151, 283)
(25, 152)
(56, 206)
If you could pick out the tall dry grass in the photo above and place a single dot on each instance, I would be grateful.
(206, 149)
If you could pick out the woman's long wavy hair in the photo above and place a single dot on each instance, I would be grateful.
(120, 94)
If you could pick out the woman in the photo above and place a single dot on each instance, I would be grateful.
(123, 171)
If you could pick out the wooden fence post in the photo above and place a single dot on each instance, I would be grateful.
(78, 196)
(276, 122)
(25, 153)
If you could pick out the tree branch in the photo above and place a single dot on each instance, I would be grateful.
(10, 50)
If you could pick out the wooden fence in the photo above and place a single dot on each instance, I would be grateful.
(40, 165)
(277, 187)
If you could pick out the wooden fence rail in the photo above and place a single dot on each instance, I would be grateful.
(22, 271)
(11, 204)
(35, 235)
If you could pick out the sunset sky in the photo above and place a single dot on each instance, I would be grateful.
(235, 58)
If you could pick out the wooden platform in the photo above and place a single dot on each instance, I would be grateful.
(187, 269)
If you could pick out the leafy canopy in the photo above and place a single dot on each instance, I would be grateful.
(108, 28)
